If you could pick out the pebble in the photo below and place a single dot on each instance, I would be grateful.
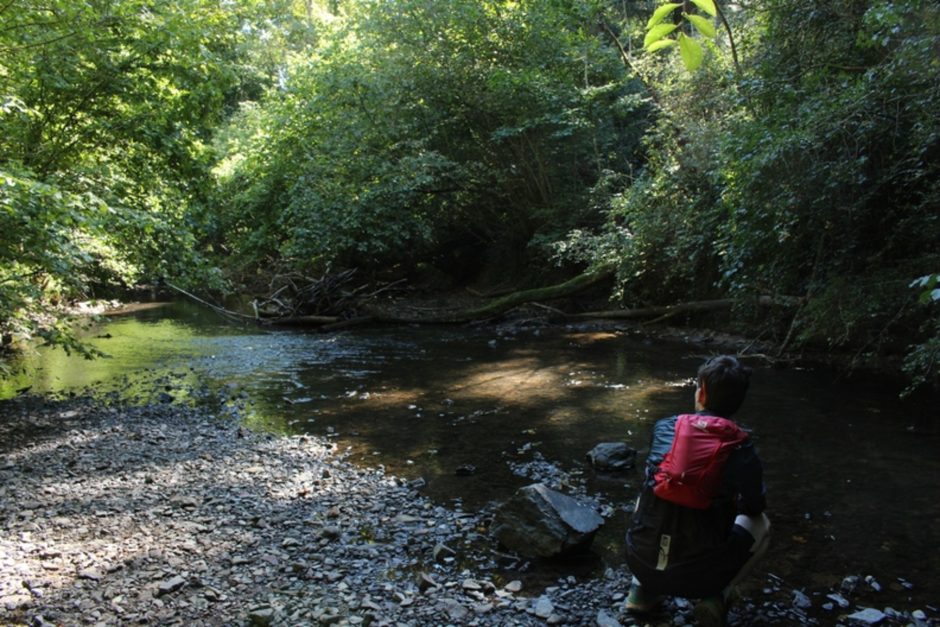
(261, 617)
(801, 601)
(166, 514)
(868, 616)
(543, 607)
(604, 619)
(840, 600)
(170, 585)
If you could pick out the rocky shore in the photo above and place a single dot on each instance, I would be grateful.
(164, 514)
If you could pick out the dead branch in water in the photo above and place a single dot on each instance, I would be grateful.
(228, 313)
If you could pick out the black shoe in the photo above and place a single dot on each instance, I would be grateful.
(711, 612)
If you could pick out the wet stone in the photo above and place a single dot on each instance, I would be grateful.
(91, 574)
(425, 582)
(261, 617)
(838, 599)
(800, 600)
(442, 552)
(868, 616)
(605, 619)
(543, 607)
(170, 585)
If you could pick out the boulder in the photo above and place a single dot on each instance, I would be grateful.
(612, 456)
(540, 522)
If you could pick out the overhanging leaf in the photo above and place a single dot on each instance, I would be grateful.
(702, 25)
(660, 14)
(691, 51)
(658, 32)
(708, 6)
(662, 43)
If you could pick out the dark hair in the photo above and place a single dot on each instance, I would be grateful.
(726, 382)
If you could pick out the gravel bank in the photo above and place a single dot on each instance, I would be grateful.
(162, 514)
(167, 515)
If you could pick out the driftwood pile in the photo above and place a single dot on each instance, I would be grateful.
(328, 302)
(296, 299)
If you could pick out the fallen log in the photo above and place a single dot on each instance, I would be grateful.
(569, 287)
(646, 312)
(501, 305)
(346, 324)
(671, 310)
(505, 303)
(299, 321)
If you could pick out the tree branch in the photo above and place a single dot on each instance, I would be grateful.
(38, 43)
(734, 49)
(629, 63)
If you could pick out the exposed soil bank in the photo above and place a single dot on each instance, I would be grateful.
(168, 515)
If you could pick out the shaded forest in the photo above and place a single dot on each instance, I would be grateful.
(696, 152)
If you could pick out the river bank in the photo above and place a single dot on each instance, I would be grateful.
(116, 514)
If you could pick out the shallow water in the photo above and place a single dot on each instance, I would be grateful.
(853, 474)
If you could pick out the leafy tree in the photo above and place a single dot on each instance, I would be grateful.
(106, 115)
(420, 124)
(810, 172)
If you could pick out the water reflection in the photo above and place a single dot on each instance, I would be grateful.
(853, 474)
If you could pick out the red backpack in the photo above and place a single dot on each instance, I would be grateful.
(690, 473)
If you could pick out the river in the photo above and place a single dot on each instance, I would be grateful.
(853, 473)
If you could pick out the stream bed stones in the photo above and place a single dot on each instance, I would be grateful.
(164, 514)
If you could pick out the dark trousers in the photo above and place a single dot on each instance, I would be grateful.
(706, 576)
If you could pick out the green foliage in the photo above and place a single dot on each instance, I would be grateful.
(142, 140)
(690, 50)
(813, 173)
(852, 156)
(106, 110)
(921, 362)
(928, 283)
(416, 125)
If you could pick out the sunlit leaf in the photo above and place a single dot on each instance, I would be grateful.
(702, 25)
(662, 43)
(660, 14)
(691, 51)
(708, 6)
(658, 32)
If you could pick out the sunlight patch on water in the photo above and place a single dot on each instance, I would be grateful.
(508, 378)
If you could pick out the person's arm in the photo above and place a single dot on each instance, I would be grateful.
(664, 431)
(747, 479)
